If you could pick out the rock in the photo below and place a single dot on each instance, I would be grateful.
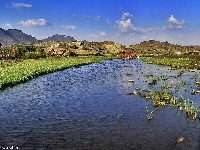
(130, 80)
(181, 140)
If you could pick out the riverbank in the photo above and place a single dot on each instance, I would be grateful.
(15, 72)
(174, 62)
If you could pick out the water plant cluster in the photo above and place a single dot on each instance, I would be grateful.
(172, 62)
(14, 72)
(169, 87)
(164, 99)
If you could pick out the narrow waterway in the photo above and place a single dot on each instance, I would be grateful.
(88, 107)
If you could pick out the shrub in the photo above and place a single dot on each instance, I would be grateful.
(32, 55)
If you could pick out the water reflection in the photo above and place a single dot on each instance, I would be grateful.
(78, 108)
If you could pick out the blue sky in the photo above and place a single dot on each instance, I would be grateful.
(126, 22)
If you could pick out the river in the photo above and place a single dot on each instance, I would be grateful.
(88, 107)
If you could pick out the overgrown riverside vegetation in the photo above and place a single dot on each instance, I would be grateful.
(13, 72)
(172, 62)
(165, 97)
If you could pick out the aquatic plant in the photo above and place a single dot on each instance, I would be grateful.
(184, 82)
(163, 99)
(172, 62)
(181, 72)
(153, 81)
(160, 98)
(190, 108)
(119, 116)
(150, 115)
(170, 87)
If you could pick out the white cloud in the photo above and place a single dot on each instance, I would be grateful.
(8, 25)
(174, 24)
(75, 15)
(126, 16)
(35, 22)
(98, 18)
(102, 33)
(19, 5)
(86, 16)
(108, 21)
(125, 25)
(172, 19)
(92, 36)
(71, 27)
(127, 32)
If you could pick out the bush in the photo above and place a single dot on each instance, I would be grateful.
(74, 47)
(33, 55)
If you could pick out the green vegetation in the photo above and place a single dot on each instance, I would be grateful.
(165, 87)
(27, 52)
(13, 72)
(74, 47)
(163, 99)
(173, 62)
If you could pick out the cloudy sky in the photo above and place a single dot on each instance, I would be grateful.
(126, 22)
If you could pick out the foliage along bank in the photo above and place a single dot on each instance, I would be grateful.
(14, 72)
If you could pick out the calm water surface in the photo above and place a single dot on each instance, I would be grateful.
(88, 108)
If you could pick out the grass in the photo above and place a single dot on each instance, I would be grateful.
(173, 62)
(12, 73)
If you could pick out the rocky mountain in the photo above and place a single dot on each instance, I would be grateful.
(13, 36)
(62, 38)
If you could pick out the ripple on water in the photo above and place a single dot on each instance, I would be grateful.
(88, 107)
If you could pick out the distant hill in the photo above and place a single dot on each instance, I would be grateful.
(156, 48)
(15, 36)
(154, 43)
(62, 38)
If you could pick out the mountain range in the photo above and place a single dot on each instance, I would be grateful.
(15, 36)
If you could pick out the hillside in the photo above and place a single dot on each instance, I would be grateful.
(145, 48)
(62, 38)
(157, 48)
(13, 36)
(82, 47)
